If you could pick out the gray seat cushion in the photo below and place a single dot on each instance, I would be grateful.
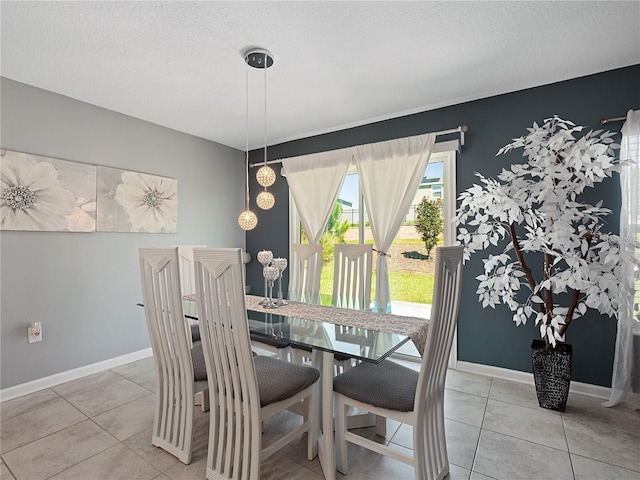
(385, 385)
(197, 358)
(195, 333)
(279, 380)
(340, 357)
(274, 342)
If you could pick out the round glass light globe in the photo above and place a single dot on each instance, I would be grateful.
(265, 200)
(270, 273)
(280, 263)
(266, 176)
(265, 257)
(247, 220)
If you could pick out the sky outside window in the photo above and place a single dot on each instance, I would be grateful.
(349, 190)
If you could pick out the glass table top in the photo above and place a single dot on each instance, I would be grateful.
(357, 342)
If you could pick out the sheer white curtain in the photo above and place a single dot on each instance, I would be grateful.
(390, 173)
(315, 181)
(626, 374)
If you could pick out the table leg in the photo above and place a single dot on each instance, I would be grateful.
(326, 443)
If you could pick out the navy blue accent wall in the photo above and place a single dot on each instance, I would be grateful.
(485, 336)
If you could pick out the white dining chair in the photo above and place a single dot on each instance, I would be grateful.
(179, 368)
(245, 390)
(393, 391)
(188, 281)
(187, 273)
(188, 289)
(352, 276)
(305, 270)
(351, 289)
(352, 270)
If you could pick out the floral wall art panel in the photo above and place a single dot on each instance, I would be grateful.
(46, 194)
(136, 202)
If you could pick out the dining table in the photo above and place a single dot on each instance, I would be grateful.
(360, 334)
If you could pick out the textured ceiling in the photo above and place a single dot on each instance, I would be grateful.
(337, 64)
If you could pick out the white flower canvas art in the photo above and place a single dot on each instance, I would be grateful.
(46, 194)
(136, 202)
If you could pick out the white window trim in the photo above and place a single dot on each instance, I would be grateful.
(449, 173)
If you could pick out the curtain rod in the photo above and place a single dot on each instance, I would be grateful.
(615, 119)
(462, 129)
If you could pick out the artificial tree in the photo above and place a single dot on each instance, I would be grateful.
(536, 207)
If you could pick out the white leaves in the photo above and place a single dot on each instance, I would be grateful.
(557, 321)
(499, 283)
(558, 337)
(552, 338)
(519, 319)
(584, 247)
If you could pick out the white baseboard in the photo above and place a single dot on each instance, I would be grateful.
(62, 377)
(525, 377)
(487, 370)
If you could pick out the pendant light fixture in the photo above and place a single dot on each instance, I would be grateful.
(265, 176)
(247, 219)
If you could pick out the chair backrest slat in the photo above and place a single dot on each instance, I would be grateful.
(227, 350)
(305, 269)
(352, 276)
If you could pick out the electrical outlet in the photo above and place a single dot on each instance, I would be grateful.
(34, 332)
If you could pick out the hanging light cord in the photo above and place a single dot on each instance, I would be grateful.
(246, 83)
(265, 110)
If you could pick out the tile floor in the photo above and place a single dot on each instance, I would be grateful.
(99, 427)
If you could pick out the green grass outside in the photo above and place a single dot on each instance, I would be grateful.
(405, 287)
(397, 241)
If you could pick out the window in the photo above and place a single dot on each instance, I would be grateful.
(410, 284)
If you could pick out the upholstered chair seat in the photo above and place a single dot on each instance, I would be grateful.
(387, 385)
(279, 380)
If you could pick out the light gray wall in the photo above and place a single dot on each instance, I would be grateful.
(84, 286)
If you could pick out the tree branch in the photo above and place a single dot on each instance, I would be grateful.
(526, 270)
(523, 263)
(572, 307)
(576, 293)
(548, 296)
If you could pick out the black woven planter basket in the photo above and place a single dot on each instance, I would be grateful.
(552, 374)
